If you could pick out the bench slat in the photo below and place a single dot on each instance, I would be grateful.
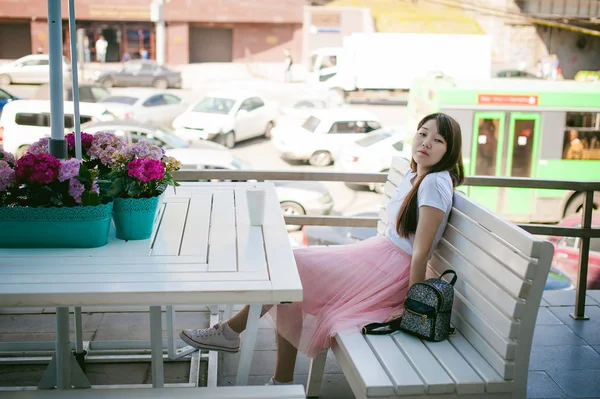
(487, 264)
(515, 236)
(507, 327)
(389, 190)
(504, 367)
(436, 380)
(494, 383)
(467, 380)
(488, 242)
(373, 378)
(381, 227)
(395, 177)
(256, 392)
(400, 164)
(405, 379)
(511, 306)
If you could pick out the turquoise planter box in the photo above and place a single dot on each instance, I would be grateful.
(67, 227)
(134, 217)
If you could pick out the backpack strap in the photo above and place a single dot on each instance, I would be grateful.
(382, 328)
(450, 271)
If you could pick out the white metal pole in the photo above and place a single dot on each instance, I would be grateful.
(75, 78)
(57, 144)
(157, 14)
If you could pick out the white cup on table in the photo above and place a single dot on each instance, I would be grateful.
(256, 205)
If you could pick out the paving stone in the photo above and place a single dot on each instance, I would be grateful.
(564, 358)
(588, 330)
(545, 317)
(32, 323)
(555, 335)
(540, 385)
(577, 383)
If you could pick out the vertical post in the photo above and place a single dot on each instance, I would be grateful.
(63, 345)
(57, 144)
(157, 17)
(584, 252)
(75, 78)
(156, 345)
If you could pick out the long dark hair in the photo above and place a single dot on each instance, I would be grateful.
(449, 129)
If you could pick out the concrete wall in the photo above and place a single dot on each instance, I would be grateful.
(575, 51)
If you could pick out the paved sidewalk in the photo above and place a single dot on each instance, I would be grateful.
(565, 360)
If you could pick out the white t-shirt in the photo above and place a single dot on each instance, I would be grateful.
(436, 190)
(101, 46)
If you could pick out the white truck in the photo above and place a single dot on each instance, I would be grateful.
(391, 61)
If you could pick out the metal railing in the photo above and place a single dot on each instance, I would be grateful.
(585, 232)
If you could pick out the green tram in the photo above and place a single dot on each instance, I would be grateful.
(520, 128)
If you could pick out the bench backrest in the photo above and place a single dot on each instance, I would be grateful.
(501, 271)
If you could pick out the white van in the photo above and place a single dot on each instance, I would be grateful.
(24, 122)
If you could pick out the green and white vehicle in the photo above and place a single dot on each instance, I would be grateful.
(520, 128)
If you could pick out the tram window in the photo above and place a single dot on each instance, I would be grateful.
(581, 144)
(583, 119)
(487, 147)
(522, 148)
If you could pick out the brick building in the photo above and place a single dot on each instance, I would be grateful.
(197, 30)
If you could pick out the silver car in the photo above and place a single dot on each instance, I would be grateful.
(31, 69)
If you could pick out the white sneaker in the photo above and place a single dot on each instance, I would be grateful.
(273, 382)
(211, 338)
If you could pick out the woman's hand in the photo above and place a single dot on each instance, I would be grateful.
(395, 314)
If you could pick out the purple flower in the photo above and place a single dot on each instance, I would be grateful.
(7, 176)
(7, 156)
(39, 147)
(104, 145)
(76, 189)
(37, 168)
(146, 170)
(68, 169)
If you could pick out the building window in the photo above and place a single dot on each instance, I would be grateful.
(582, 136)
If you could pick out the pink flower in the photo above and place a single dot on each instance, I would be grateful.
(68, 169)
(86, 141)
(76, 189)
(104, 145)
(146, 170)
(7, 176)
(37, 168)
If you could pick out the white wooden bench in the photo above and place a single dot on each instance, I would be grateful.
(254, 392)
(501, 271)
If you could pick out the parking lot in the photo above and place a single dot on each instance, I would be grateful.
(259, 153)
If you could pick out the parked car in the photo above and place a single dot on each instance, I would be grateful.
(516, 73)
(566, 252)
(296, 111)
(322, 135)
(139, 73)
(88, 93)
(155, 107)
(320, 235)
(296, 198)
(24, 122)
(227, 117)
(373, 154)
(5, 98)
(31, 69)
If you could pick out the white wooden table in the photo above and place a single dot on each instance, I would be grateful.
(203, 251)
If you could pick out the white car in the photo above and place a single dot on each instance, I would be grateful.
(227, 117)
(156, 107)
(31, 69)
(23, 122)
(373, 154)
(296, 111)
(322, 135)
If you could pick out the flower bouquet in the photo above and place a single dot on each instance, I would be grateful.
(140, 174)
(41, 195)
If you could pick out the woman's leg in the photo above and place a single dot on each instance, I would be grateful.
(238, 321)
(286, 360)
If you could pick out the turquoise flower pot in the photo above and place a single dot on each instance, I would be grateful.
(66, 227)
(134, 217)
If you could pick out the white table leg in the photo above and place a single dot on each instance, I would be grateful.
(156, 344)
(248, 347)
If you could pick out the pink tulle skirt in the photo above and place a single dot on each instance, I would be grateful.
(345, 287)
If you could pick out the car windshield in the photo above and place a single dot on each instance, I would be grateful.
(119, 99)
(311, 124)
(373, 138)
(214, 105)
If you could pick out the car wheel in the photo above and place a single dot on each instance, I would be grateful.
(5, 80)
(21, 151)
(228, 140)
(270, 126)
(107, 83)
(161, 84)
(290, 208)
(575, 205)
(320, 158)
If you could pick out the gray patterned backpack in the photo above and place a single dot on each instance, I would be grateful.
(427, 311)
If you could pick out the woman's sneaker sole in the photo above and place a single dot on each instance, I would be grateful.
(199, 345)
